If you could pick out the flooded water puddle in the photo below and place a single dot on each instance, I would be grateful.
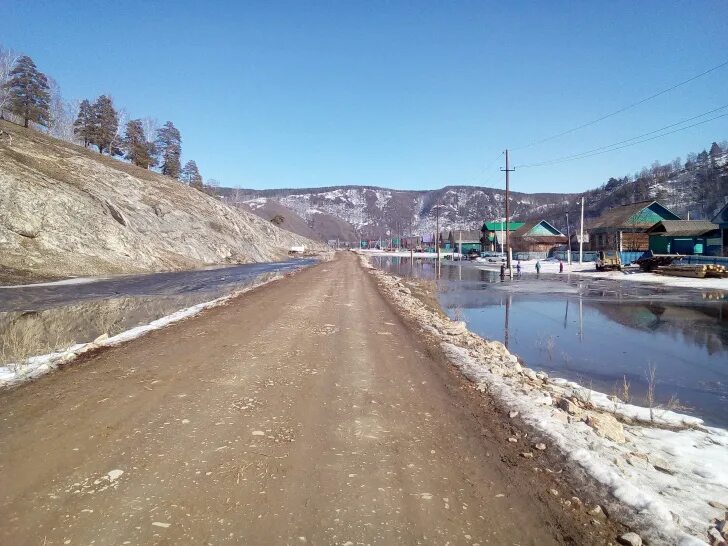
(599, 333)
(36, 320)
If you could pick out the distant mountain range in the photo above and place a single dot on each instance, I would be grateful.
(698, 187)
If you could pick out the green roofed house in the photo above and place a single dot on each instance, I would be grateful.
(686, 237)
(493, 232)
(624, 228)
(536, 237)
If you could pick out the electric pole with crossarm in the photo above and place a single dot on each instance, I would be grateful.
(508, 245)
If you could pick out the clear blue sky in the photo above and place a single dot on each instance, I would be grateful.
(409, 95)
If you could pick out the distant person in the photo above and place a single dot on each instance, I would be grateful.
(561, 266)
(503, 272)
(518, 269)
(538, 267)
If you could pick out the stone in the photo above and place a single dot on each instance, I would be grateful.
(540, 446)
(568, 406)
(512, 440)
(607, 426)
(630, 539)
(554, 492)
(528, 372)
(455, 328)
(527, 455)
(512, 414)
(718, 505)
(596, 511)
(715, 537)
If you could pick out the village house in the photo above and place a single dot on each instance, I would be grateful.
(494, 234)
(721, 219)
(536, 237)
(471, 239)
(687, 237)
(624, 228)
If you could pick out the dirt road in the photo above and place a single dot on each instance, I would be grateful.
(303, 412)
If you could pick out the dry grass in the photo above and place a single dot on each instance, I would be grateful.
(650, 375)
(19, 342)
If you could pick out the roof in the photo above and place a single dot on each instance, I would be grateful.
(628, 216)
(540, 230)
(466, 235)
(722, 216)
(498, 226)
(682, 228)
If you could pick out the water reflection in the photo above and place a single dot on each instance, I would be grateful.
(37, 320)
(598, 332)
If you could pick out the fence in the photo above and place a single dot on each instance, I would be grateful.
(587, 255)
(714, 260)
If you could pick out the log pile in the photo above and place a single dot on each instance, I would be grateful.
(697, 271)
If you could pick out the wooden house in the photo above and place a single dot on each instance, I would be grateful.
(686, 237)
(624, 228)
(536, 237)
(721, 219)
(471, 239)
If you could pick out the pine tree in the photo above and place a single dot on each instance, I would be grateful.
(169, 144)
(136, 147)
(84, 126)
(28, 92)
(191, 175)
(105, 124)
(715, 151)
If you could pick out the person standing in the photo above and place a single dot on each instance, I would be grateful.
(561, 266)
(518, 269)
(538, 267)
(503, 271)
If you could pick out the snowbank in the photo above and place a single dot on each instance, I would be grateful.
(668, 468)
(12, 374)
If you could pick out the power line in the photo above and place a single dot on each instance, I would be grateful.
(616, 146)
(642, 101)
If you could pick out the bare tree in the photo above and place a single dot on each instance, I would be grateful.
(7, 61)
(150, 126)
(62, 114)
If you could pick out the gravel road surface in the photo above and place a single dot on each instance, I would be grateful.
(305, 411)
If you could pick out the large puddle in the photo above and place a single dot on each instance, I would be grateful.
(600, 333)
(39, 319)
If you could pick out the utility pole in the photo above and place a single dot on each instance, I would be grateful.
(508, 246)
(568, 240)
(437, 230)
(581, 234)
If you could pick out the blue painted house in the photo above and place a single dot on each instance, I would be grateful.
(722, 220)
(687, 237)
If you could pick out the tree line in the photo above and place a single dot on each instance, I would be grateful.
(703, 177)
(30, 97)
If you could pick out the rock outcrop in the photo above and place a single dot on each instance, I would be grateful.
(65, 210)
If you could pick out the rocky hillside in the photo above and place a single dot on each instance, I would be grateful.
(370, 211)
(319, 225)
(699, 187)
(65, 210)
